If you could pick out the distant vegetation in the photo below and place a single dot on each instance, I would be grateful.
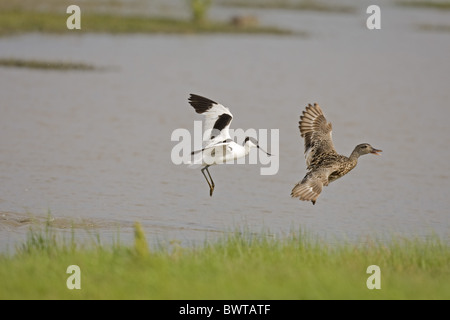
(46, 65)
(241, 265)
(199, 9)
(50, 16)
(305, 5)
(15, 22)
(434, 27)
(444, 5)
(436, 5)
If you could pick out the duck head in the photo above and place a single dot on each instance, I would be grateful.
(364, 148)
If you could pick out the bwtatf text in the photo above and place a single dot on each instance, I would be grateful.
(230, 309)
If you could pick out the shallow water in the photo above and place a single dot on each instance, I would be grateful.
(96, 146)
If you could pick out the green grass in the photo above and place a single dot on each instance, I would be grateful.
(241, 265)
(20, 21)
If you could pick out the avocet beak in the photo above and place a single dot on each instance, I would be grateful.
(263, 150)
(375, 151)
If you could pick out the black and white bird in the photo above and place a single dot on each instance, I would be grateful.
(324, 164)
(219, 147)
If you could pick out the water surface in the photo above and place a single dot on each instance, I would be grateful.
(95, 146)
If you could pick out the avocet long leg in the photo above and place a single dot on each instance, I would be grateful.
(211, 185)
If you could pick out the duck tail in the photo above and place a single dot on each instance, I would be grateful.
(307, 190)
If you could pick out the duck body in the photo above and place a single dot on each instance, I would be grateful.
(324, 164)
(333, 165)
(320, 173)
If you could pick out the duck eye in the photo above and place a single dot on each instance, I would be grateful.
(364, 147)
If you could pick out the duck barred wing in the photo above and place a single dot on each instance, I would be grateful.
(316, 131)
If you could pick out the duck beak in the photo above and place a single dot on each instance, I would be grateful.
(375, 151)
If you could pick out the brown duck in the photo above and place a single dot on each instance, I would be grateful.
(323, 163)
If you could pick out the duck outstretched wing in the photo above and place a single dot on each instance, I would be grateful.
(316, 131)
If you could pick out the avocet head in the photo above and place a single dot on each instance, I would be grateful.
(252, 143)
